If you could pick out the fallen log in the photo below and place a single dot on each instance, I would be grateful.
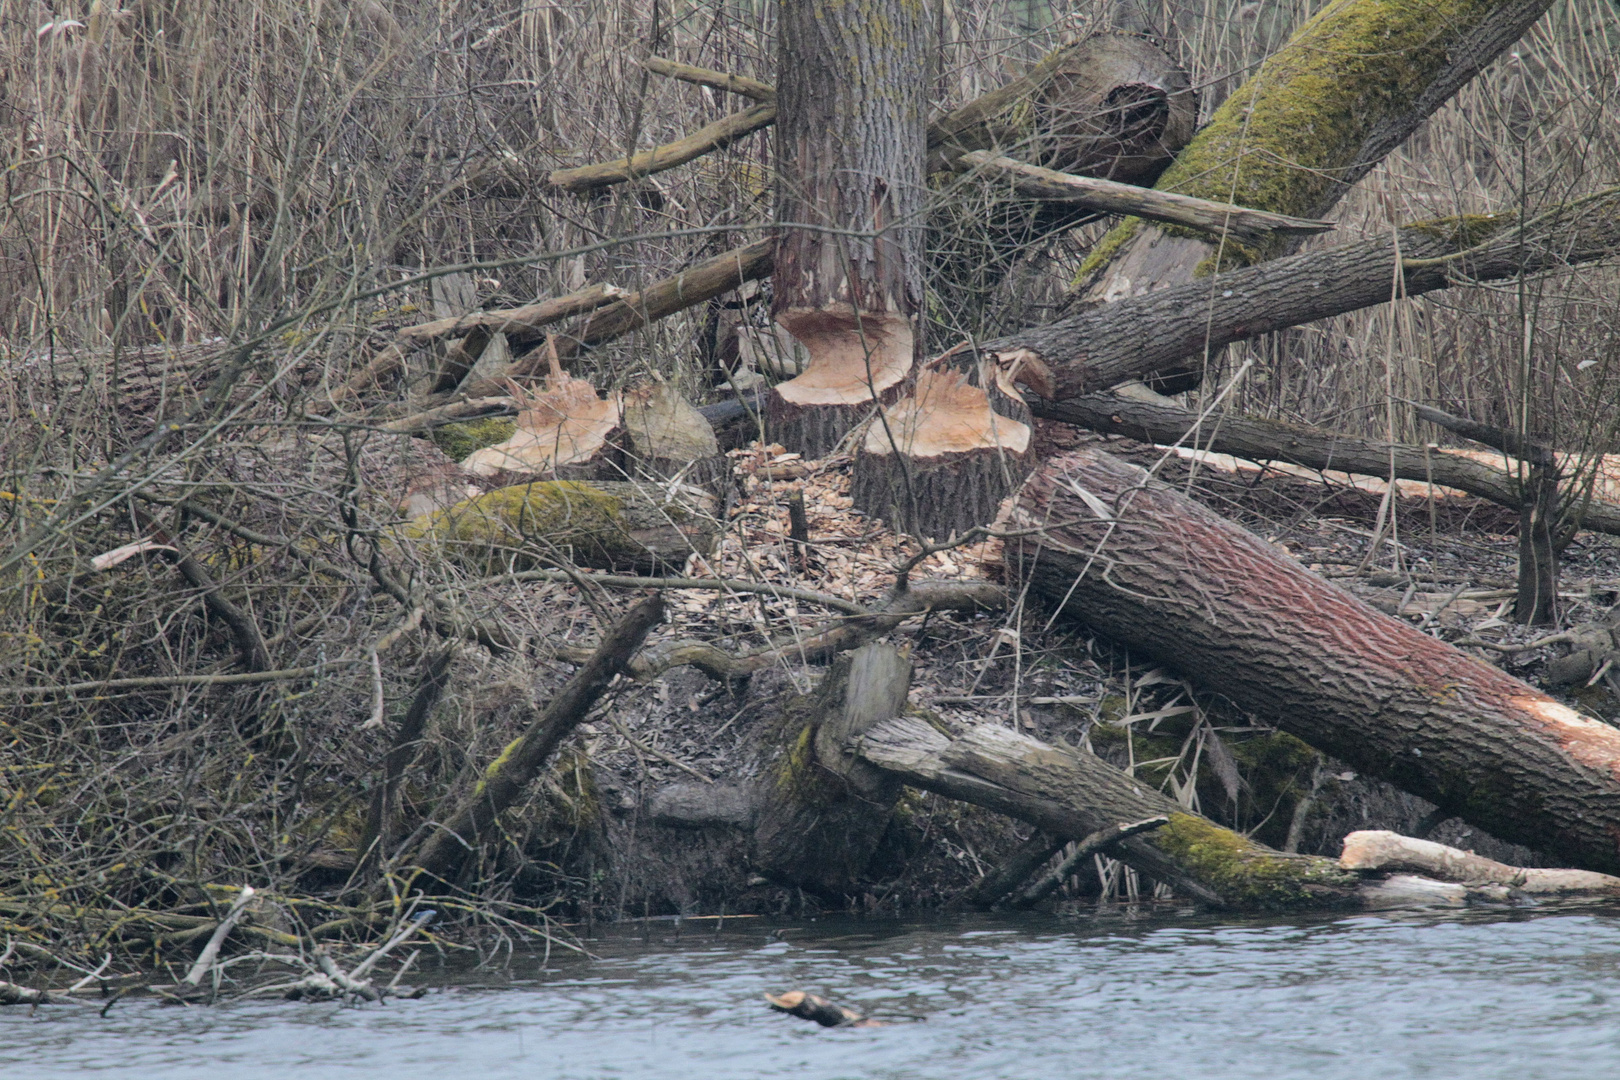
(610, 524)
(515, 322)
(1147, 567)
(1166, 423)
(1072, 794)
(1129, 339)
(505, 779)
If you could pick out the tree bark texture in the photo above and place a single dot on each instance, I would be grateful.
(1314, 448)
(1112, 343)
(851, 139)
(1350, 86)
(1153, 570)
(1073, 794)
(506, 777)
(819, 811)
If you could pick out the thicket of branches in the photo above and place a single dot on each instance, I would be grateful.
(217, 212)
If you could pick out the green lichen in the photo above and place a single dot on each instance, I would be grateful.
(532, 523)
(459, 440)
(1103, 251)
(1244, 875)
(1463, 231)
(1284, 140)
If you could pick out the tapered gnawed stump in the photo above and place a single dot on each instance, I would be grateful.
(668, 438)
(857, 363)
(940, 460)
(567, 432)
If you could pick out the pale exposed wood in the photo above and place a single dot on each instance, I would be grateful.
(1111, 197)
(1377, 849)
(566, 427)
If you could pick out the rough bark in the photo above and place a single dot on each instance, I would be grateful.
(941, 459)
(1273, 440)
(1072, 794)
(1351, 85)
(1108, 344)
(1153, 570)
(820, 812)
(509, 774)
(616, 525)
(850, 151)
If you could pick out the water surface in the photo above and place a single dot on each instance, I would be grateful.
(1521, 994)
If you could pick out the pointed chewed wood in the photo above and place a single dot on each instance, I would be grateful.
(857, 361)
(568, 431)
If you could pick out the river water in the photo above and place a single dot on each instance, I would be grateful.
(1521, 994)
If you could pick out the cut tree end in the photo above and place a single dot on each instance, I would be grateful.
(857, 359)
(568, 431)
(941, 460)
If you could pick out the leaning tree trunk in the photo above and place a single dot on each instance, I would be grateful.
(1349, 87)
(851, 140)
(1155, 571)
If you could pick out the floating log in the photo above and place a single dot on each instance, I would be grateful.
(1379, 850)
(1155, 571)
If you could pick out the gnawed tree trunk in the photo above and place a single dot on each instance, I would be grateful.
(1151, 569)
(1350, 86)
(816, 813)
(850, 152)
(1072, 794)
(613, 525)
(819, 812)
(940, 460)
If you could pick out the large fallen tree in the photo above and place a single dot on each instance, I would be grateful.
(1150, 568)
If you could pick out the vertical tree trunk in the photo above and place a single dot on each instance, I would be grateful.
(851, 141)
(1537, 601)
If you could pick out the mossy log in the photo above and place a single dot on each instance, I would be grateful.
(1151, 569)
(818, 811)
(616, 525)
(1072, 794)
(1350, 86)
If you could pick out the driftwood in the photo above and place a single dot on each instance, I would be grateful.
(1378, 850)
(812, 1007)
(1084, 849)
(504, 781)
(1153, 570)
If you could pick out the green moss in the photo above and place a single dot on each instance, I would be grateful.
(1283, 141)
(1463, 231)
(538, 518)
(459, 440)
(1243, 875)
(1103, 251)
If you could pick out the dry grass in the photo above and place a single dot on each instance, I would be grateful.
(216, 212)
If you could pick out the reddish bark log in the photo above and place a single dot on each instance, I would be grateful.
(1155, 571)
